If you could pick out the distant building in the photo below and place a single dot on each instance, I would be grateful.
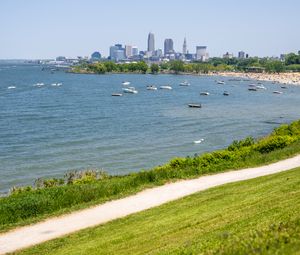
(184, 48)
(282, 57)
(117, 53)
(128, 51)
(201, 53)
(168, 46)
(151, 45)
(241, 54)
(158, 53)
(135, 51)
(61, 58)
(96, 56)
(228, 55)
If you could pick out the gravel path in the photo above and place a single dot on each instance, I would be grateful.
(56, 227)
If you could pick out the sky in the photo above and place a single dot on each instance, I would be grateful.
(34, 29)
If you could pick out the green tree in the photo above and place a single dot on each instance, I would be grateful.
(177, 66)
(154, 68)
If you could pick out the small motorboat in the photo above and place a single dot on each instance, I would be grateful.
(252, 89)
(195, 105)
(11, 87)
(126, 83)
(165, 87)
(225, 93)
(204, 93)
(116, 95)
(283, 87)
(252, 85)
(39, 85)
(221, 82)
(151, 87)
(277, 92)
(261, 87)
(199, 141)
(185, 83)
(130, 90)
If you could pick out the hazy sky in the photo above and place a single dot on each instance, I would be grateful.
(48, 28)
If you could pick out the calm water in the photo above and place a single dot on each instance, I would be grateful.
(50, 130)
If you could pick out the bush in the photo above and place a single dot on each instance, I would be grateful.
(273, 143)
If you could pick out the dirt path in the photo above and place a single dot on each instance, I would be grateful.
(56, 227)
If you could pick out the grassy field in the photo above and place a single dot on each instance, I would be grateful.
(259, 216)
(55, 197)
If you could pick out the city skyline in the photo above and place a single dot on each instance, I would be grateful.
(49, 29)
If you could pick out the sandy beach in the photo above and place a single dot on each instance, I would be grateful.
(284, 78)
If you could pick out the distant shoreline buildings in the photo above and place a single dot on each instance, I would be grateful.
(130, 53)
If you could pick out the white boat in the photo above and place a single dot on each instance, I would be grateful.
(221, 82)
(130, 90)
(165, 87)
(39, 84)
(277, 92)
(199, 141)
(11, 87)
(126, 83)
(116, 94)
(151, 87)
(261, 87)
(185, 83)
(204, 93)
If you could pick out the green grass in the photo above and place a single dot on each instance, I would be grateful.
(29, 205)
(258, 216)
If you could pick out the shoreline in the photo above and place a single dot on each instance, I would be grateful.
(282, 78)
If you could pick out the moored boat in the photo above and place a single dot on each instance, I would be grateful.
(166, 87)
(221, 82)
(277, 92)
(204, 93)
(116, 94)
(225, 93)
(130, 90)
(126, 83)
(151, 87)
(195, 105)
(185, 83)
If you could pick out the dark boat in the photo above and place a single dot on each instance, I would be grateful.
(225, 93)
(252, 89)
(195, 105)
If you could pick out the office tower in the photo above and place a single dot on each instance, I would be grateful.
(151, 45)
(128, 51)
(241, 54)
(201, 53)
(168, 46)
(184, 48)
(135, 51)
(116, 52)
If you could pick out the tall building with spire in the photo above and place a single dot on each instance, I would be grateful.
(151, 45)
(184, 48)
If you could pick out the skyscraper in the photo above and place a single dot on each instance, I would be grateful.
(128, 51)
(151, 45)
(184, 48)
(168, 46)
(201, 53)
(135, 51)
(241, 54)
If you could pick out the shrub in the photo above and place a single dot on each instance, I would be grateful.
(272, 143)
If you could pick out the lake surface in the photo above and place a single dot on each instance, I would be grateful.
(47, 131)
